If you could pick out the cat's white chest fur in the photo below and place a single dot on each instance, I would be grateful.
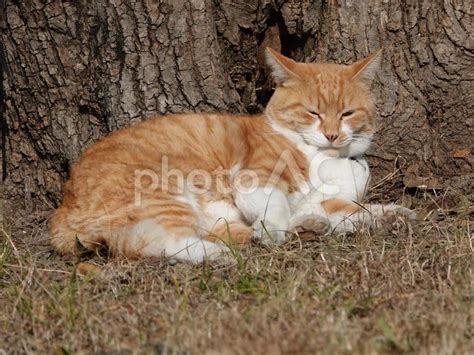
(329, 177)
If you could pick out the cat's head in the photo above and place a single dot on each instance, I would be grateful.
(328, 105)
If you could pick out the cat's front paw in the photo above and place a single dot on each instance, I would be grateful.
(268, 233)
(309, 223)
(395, 216)
(391, 211)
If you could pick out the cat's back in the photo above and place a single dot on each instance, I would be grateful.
(169, 134)
(184, 141)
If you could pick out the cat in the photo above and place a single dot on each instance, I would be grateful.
(187, 186)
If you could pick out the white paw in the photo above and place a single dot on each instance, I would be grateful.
(268, 233)
(222, 259)
(217, 259)
(219, 255)
(196, 251)
(401, 211)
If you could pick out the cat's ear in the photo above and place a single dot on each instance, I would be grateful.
(365, 69)
(282, 68)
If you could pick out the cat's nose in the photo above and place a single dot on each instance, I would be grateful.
(331, 137)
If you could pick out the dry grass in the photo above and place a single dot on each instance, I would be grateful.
(405, 289)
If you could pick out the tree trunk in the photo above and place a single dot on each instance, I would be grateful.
(74, 71)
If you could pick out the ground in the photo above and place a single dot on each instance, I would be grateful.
(405, 288)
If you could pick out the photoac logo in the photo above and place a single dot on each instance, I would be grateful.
(166, 179)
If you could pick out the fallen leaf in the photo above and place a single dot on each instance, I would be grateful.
(87, 269)
(461, 153)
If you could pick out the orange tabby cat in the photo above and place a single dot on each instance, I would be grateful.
(184, 186)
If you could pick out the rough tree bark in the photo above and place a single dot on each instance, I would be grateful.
(74, 71)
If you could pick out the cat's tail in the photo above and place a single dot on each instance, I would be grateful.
(146, 238)
(72, 231)
(63, 237)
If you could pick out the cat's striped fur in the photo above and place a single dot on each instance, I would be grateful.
(122, 194)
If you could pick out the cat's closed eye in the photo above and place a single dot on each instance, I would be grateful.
(314, 113)
(347, 114)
